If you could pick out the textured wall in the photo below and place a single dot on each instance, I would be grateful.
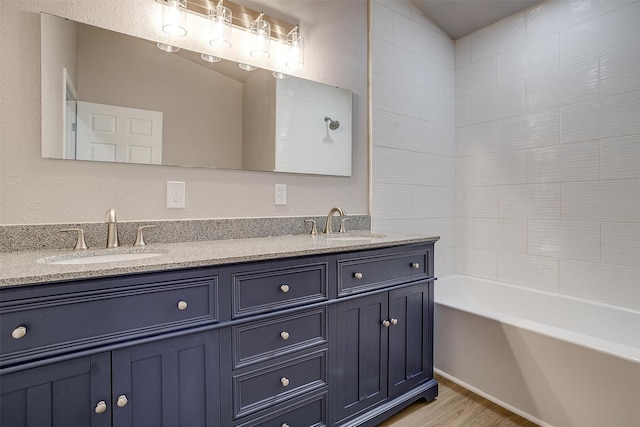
(33, 190)
(413, 187)
(548, 144)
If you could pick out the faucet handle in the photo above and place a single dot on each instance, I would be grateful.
(139, 237)
(342, 228)
(314, 230)
(110, 216)
(80, 243)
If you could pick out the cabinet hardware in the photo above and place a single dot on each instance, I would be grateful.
(101, 407)
(357, 275)
(19, 332)
(284, 381)
(122, 401)
(285, 425)
(386, 323)
(182, 305)
(415, 265)
(284, 288)
(284, 335)
(394, 321)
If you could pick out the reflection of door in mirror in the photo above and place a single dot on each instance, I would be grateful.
(69, 111)
(108, 133)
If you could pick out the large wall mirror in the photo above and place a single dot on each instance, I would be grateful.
(107, 96)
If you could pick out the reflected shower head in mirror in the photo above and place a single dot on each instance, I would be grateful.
(333, 124)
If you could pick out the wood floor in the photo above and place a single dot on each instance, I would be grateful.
(455, 406)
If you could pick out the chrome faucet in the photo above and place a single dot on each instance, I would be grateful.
(327, 228)
(112, 229)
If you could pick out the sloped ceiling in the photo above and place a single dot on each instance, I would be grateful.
(459, 18)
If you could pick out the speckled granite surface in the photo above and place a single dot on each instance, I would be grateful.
(29, 267)
(48, 236)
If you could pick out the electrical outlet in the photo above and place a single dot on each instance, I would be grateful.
(280, 194)
(175, 194)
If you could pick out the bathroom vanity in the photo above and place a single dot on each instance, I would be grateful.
(327, 333)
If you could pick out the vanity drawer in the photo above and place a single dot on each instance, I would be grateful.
(310, 411)
(278, 383)
(368, 270)
(258, 341)
(278, 285)
(49, 324)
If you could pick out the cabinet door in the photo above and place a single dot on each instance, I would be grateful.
(361, 365)
(170, 383)
(61, 394)
(410, 352)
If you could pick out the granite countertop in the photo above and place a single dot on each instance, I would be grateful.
(30, 267)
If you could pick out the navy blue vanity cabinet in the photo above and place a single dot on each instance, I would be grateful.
(383, 338)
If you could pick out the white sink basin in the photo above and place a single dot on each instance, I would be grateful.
(99, 258)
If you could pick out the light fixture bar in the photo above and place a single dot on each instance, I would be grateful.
(242, 16)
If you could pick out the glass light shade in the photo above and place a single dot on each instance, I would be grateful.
(209, 58)
(220, 19)
(247, 67)
(295, 43)
(279, 75)
(174, 18)
(167, 47)
(260, 31)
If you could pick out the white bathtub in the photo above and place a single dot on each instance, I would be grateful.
(555, 360)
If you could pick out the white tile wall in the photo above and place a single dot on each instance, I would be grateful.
(542, 115)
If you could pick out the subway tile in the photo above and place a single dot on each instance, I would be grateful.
(411, 100)
(477, 262)
(530, 271)
(464, 171)
(612, 116)
(401, 7)
(611, 284)
(620, 157)
(448, 87)
(500, 234)
(578, 161)
(503, 101)
(391, 129)
(620, 72)
(411, 35)
(382, 21)
(412, 226)
(433, 202)
(616, 201)
(390, 60)
(537, 57)
(382, 92)
(477, 202)
(565, 86)
(463, 111)
(446, 229)
(428, 137)
(441, 49)
(426, 73)
(504, 35)
(476, 139)
(462, 52)
(530, 201)
(476, 77)
(445, 262)
(442, 109)
(464, 232)
(579, 240)
(383, 165)
(611, 5)
(392, 201)
(506, 167)
(410, 167)
(530, 130)
(441, 170)
(621, 243)
(552, 16)
(603, 35)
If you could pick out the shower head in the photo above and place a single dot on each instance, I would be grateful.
(333, 125)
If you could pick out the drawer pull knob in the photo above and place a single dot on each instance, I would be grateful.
(284, 335)
(101, 407)
(182, 305)
(122, 401)
(19, 332)
(284, 288)
(394, 321)
(415, 265)
(357, 275)
(386, 323)
(285, 425)
(284, 381)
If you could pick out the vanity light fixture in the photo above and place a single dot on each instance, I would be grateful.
(247, 67)
(210, 58)
(295, 45)
(174, 18)
(260, 31)
(220, 19)
(279, 75)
